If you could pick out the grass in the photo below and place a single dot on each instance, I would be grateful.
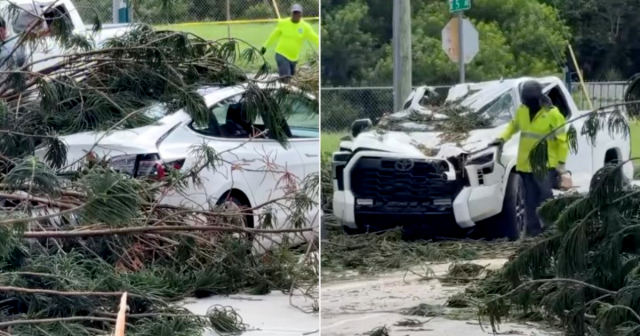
(635, 141)
(253, 33)
(329, 142)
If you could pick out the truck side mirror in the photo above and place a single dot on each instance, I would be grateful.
(360, 125)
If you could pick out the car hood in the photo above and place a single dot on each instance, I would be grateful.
(427, 144)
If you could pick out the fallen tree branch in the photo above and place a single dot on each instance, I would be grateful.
(543, 281)
(57, 320)
(43, 217)
(51, 202)
(61, 293)
(146, 229)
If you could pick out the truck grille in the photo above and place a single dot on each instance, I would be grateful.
(394, 188)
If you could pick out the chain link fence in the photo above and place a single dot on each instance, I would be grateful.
(161, 12)
(342, 105)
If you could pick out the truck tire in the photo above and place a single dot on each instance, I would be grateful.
(351, 232)
(511, 222)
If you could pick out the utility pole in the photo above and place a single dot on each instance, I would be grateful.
(461, 46)
(401, 52)
(115, 10)
(228, 19)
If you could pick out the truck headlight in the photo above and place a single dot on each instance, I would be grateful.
(485, 164)
(482, 160)
(338, 162)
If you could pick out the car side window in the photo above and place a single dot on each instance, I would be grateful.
(302, 120)
(220, 112)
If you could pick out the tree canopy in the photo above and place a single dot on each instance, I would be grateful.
(517, 37)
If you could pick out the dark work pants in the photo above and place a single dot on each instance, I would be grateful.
(285, 66)
(536, 191)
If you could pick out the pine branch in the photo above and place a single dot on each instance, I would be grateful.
(11, 289)
(148, 229)
(53, 203)
(545, 281)
(58, 320)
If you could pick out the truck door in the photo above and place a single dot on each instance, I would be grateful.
(579, 163)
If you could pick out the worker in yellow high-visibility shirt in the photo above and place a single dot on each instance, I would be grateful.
(292, 33)
(535, 119)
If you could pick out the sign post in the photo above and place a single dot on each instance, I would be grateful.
(458, 51)
(461, 46)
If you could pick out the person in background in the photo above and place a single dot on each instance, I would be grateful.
(291, 33)
(535, 119)
(12, 55)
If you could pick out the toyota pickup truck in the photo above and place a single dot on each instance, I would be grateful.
(47, 8)
(386, 179)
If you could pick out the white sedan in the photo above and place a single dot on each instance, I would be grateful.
(253, 170)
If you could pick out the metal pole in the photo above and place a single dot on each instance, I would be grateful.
(461, 46)
(228, 19)
(401, 52)
(115, 7)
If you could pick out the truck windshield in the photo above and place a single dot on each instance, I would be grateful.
(500, 110)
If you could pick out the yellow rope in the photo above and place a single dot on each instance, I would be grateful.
(275, 5)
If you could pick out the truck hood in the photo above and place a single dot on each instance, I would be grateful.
(423, 143)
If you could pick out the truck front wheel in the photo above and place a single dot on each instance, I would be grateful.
(511, 222)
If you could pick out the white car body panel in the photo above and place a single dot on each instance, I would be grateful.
(50, 48)
(245, 167)
(475, 202)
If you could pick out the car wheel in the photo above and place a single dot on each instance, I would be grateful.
(511, 222)
(232, 203)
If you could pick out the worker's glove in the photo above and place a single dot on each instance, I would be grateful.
(263, 50)
(496, 143)
(561, 168)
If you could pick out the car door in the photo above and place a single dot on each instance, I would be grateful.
(304, 124)
(188, 142)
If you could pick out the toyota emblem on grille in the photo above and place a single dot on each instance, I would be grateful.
(404, 165)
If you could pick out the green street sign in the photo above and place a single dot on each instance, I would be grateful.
(459, 5)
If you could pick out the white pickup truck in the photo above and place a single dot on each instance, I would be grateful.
(47, 8)
(384, 179)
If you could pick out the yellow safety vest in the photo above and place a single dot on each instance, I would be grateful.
(545, 122)
(291, 38)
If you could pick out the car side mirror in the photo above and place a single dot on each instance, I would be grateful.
(360, 126)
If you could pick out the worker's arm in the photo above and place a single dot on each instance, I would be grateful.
(512, 128)
(275, 34)
(560, 136)
(312, 36)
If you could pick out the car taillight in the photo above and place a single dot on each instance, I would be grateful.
(144, 165)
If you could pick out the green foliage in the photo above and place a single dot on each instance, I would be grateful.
(348, 51)
(603, 36)
(517, 37)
